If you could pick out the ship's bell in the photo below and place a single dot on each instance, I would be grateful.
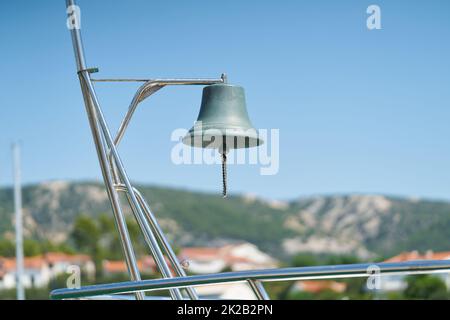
(223, 123)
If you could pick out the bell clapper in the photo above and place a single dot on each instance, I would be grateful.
(223, 151)
(224, 174)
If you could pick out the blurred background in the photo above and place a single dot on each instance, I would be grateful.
(363, 150)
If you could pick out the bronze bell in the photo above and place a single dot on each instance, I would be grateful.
(223, 123)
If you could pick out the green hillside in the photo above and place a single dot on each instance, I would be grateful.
(366, 225)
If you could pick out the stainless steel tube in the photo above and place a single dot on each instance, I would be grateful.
(130, 258)
(258, 289)
(148, 235)
(303, 273)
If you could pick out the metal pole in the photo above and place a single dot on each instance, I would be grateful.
(19, 219)
(284, 274)
(134, 204)
(130, 258)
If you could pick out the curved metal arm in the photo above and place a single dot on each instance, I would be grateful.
(150, 87)
(144, 91)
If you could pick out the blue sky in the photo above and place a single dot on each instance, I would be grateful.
(358, 110)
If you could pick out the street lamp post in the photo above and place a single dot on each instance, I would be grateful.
(18, 221)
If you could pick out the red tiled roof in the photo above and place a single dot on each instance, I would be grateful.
(117, 266)
(405, 256)
(37, 262)
(9, 264)
(147, 264)
(208, 253)
(315, 286)
(439, 255)
(224, 253)
(415, 255)
(200, 253)
(54, 257)
(232, 259)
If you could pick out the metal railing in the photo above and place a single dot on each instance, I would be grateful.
(257, 277)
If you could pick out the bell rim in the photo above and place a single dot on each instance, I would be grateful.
(253, 140)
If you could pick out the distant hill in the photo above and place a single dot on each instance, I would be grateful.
(365, 225)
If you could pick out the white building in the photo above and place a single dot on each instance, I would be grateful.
(247, 256)
(227, 291)
(39, 270)
(59, 263)
(236, 257)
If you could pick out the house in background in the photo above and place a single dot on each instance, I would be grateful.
(236, 257)
(203, 260)
(39, 270)
(59, 262)
(36, 272)
(112, 267)
(397, 282)
(146, 265)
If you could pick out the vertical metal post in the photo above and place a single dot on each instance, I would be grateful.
(19, 219)
(130, 258)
